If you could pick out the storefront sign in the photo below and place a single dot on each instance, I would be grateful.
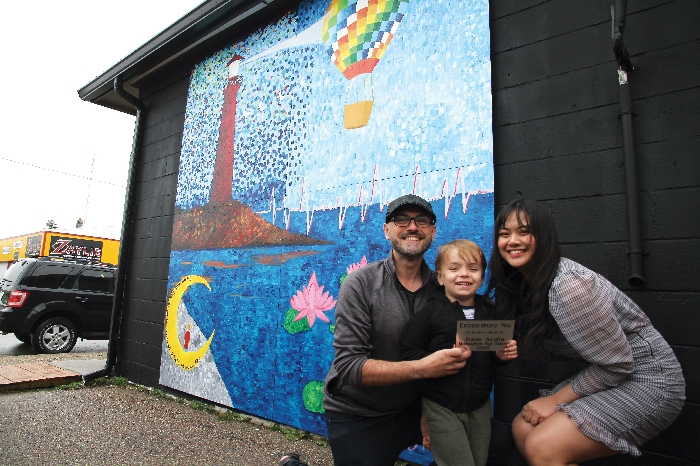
(73, 248)
(33, 246)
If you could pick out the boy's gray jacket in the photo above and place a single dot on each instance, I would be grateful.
(371, 312)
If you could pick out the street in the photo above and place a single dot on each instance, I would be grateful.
(11, 346)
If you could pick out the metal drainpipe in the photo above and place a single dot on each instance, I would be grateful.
(626, 67)
(126, 236)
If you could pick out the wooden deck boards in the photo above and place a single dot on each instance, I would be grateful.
(34, 375)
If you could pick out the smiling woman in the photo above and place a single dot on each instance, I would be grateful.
(516, 244)
(633, 387)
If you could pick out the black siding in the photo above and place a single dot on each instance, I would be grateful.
(558, 139)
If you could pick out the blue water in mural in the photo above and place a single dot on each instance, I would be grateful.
(264, 367)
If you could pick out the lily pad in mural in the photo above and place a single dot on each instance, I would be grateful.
(294, 326)
(313, 396)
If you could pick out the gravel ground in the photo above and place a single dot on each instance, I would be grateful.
(108, 425)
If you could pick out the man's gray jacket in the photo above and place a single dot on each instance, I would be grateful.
(372, 310)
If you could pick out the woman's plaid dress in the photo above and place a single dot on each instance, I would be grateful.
(634, 387)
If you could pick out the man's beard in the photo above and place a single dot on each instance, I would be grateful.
(416, 251)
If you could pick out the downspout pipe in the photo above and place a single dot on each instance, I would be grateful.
(126, 235)
(618, 9)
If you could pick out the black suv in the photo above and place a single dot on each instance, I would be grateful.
(50, 303)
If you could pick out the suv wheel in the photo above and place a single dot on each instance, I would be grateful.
(54, 335)
(24, 338)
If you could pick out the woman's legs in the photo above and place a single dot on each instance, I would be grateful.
(521, 429)
(556, 441)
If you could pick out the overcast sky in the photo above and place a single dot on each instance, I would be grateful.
(48, 136)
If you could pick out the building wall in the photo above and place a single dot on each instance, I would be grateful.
(147, 273)
(558, 139)
(59, 244)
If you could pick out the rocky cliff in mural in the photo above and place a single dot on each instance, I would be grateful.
(232, 225)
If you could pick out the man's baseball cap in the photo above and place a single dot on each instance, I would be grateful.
(406, 200)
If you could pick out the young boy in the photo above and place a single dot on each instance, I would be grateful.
(457, 408)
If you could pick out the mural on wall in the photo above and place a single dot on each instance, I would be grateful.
(295, 140)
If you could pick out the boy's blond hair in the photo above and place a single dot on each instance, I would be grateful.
(467, 250)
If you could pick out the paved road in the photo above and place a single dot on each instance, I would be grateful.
(11, 346)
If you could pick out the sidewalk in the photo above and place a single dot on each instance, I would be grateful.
(108, 425)
(41, 374)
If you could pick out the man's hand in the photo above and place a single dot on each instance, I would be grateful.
(510, 351)
(377, 373)
(444, 362)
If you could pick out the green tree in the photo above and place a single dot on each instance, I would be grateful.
(51, 225)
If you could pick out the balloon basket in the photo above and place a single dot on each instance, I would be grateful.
(357, 114)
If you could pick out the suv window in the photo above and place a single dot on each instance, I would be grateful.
(13, 272)
(95, 280)
(47, 276)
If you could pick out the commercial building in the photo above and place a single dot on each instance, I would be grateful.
(263, 159)
(65, 244)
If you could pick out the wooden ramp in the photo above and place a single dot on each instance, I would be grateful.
(35, 375)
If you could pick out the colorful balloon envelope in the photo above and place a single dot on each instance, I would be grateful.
(357, 32)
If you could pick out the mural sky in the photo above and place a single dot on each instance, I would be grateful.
(431, 113)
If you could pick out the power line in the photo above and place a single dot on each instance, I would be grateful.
(62, 173)
(87, 200)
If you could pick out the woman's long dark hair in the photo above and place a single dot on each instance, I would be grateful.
(516, 298)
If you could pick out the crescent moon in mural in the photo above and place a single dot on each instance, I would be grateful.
(187, 360)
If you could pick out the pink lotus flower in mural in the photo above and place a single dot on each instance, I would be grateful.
(358, 266)
(312, 302)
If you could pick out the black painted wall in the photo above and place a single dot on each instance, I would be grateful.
(557, 139)
(143, 314)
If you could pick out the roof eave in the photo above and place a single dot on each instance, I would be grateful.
(193, 30)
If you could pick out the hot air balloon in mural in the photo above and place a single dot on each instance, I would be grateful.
(357, 33)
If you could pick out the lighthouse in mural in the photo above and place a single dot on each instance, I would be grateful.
(222, 181)
(225, 222)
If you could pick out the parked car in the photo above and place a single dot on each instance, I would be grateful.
(50, 303)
